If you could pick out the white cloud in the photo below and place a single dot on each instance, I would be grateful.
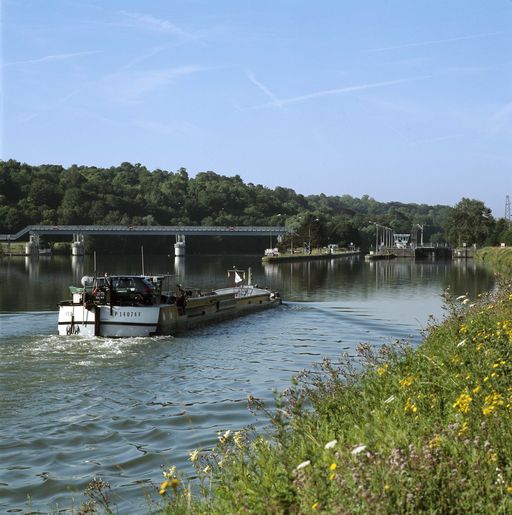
(131, 85)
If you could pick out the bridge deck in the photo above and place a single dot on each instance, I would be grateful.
(145, 230)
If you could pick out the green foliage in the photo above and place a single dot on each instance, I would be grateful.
(470, 222)
(131, 194)
(400, 431)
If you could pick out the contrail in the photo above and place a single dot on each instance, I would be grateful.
(55, 57)
(330, 92)
(435, 41)
(263, 88)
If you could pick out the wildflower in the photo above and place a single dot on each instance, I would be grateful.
(174, 482)
(169, 473)
(314, 506)
(434, 442)
(238, 437)
(463, 402)
(463, 429)
(406, 381)
(207, 469)
(358, 449)
(194, 455)
(163, 487)
(383, 369)
(333, 467)
(410, 407)
(491, 403)
(302, 465)
(223, 438)
(332, 476)
(386, 487)
(331, 444)
(476, 389)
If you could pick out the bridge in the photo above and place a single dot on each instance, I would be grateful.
(179, 231)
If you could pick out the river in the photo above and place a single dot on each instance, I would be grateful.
(73, 408)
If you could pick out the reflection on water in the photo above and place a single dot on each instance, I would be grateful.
(72, 408)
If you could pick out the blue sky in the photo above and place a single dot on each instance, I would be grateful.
(406, 100)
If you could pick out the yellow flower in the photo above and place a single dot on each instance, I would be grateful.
(333, 466)
(332, 476)
(463, 429)
(174, 483)
(463, 402)
(509, 487)
(434, 442)
(406, 381)
(476, 389)
(194, 455)
(383, 369)
(491, 403)
(386, 487)
(163, 487)
(314, 506)
(410, 407)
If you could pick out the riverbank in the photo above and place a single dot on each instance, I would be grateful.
(499, 258)
(402, 431)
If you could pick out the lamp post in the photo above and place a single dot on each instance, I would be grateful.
(376, 235)
(309, 234)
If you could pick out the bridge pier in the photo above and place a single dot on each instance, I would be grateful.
(32, 247)
(78, 246)
(179, 246)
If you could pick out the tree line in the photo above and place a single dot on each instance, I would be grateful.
(130, 194)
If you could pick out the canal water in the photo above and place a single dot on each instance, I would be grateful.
(75, 408)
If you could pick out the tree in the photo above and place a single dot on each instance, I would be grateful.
(470, 222)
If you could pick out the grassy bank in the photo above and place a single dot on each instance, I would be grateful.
(498, 258)
(424, 430)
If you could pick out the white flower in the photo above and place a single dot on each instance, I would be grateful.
(302, 465)
(223, 438)
(358, 449)
(331, 444)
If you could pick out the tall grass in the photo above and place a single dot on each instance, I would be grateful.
(413, 430)
(497, 257)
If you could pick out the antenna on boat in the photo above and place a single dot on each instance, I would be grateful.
(142, 257)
